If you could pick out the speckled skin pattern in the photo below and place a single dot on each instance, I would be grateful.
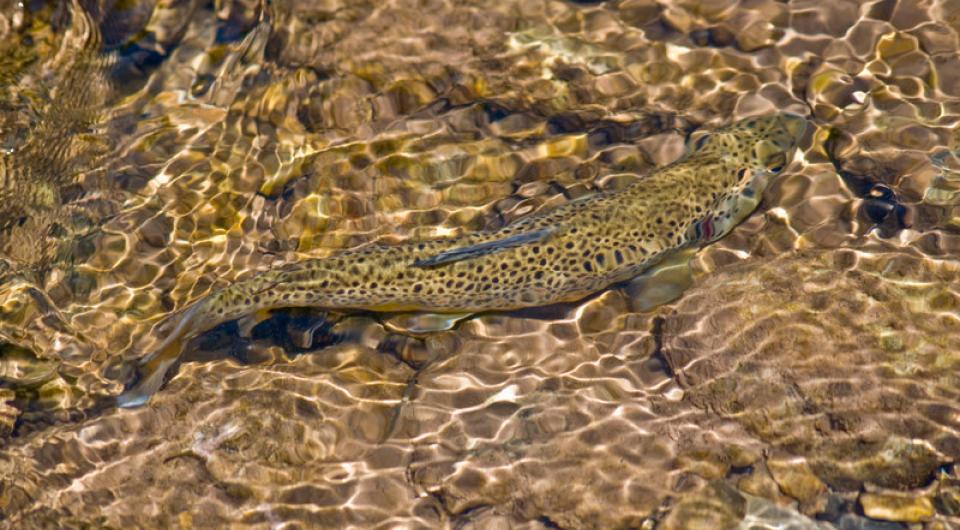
(569, 252)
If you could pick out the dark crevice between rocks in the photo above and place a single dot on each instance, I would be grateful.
(881, 207)
(141, 52)
(546, 521)
(846, 514)
(658, 354)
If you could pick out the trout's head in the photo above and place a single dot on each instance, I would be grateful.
(735, 164)
(759, 144)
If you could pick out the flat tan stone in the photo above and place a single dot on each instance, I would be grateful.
(760, 483)
(796, 479)
(897, 507)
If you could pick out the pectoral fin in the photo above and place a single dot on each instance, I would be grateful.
(663, 283)
(482, 249)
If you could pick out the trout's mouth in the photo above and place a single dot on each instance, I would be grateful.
(774, 151)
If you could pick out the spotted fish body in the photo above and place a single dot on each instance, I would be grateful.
(560, 255)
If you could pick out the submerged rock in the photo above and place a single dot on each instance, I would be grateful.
(897, 507)
(796, 479)
(846, 359)
(763, 514)
(716, 507)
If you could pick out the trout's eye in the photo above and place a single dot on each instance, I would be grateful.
(702, 141)
(698, 140)
(775, 164)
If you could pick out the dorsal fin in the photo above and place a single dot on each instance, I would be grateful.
(482, 249)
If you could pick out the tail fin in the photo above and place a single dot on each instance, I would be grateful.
(151, 375)
(151, 370)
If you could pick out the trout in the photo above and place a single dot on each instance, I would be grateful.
(561, 255)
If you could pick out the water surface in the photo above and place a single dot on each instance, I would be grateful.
(153, 152)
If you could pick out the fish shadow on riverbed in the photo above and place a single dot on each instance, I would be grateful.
(295, 331)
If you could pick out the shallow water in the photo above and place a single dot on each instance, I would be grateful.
(154, 152)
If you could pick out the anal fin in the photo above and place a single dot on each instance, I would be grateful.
(422, 323)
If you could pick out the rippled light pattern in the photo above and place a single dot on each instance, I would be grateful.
(152, 153)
